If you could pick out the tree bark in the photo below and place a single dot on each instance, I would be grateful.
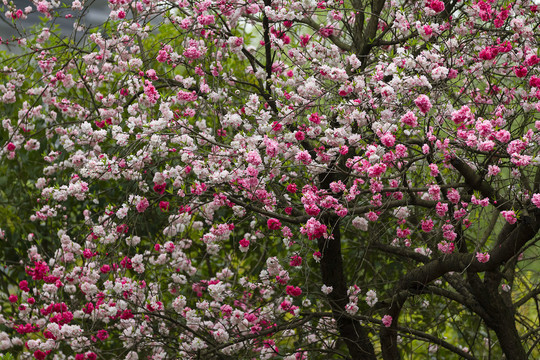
(350, 330)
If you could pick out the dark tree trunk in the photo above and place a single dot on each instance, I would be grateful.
(351, 331)
(501, 316)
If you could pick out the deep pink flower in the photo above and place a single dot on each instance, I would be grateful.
(87, 253)
(23, 285)
(244, 243)
(436, 5)
(295, 260)
(273, 224)
(164, 205)
(160, 188)
(520, 71)
(292, 188)
(102, 335)
(304, 39)
(293, 291)
(534, 81)
(315, 118)
(39, 355)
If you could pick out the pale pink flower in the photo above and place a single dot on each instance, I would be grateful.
(482, 257)
(387, 320)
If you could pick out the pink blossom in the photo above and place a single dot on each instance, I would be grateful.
(206, 19)
(164, 205)
(436, 5)
(488, 53)
(151, 92)
(304, 157)
(312, 209)
(409, 119)
(295, 260)
(274, 224)
(520, 71)
(509, 216)
(253, 158)
(299, 135)
(532, 59)
(534, 81)
(326, 289)
(441, 209)
(536, 200)
(341, 210)
(102, 335)
(337, 187)
(502, 135)
(314, 229)
(292, 188)
(387, 320)
(315, 118)
(486, 146)
(192, 53)
(43, 7)
(482, 257)
(304, 39)
(23, 285)
(142, 205)
(198, 188)
(376, 170)
(326, 31)
(293, 290)
(39, 355)
(493, 170)
(372, 216)
(435, 192)
(244, 244)
(448, 232)
(482, 202)
(462, 115)
(388, 139)
(427, 225)
(423, 104)
(520, 160)
(446, 247)
(401, 151)
(501, 18)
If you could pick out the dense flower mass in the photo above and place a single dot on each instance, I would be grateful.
(271, 179)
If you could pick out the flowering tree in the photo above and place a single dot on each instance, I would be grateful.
(272, 179)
